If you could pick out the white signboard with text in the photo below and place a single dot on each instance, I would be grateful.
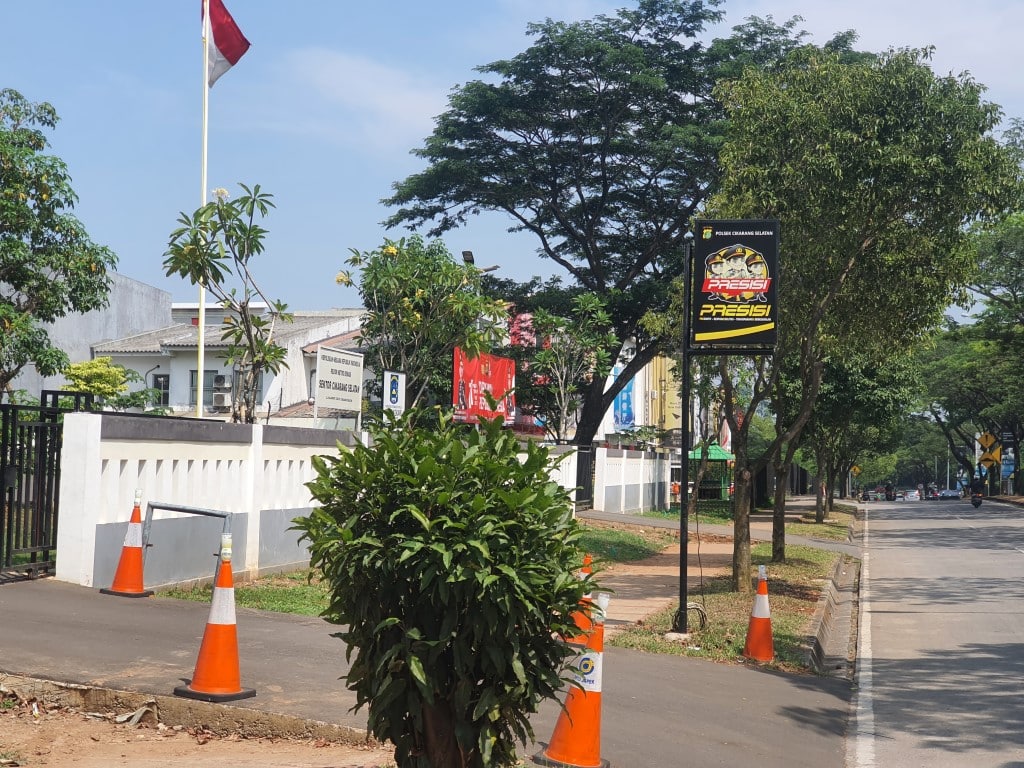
(339, 380)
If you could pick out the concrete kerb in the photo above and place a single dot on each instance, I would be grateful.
(219, 719)
(832, 642)
(833, 627)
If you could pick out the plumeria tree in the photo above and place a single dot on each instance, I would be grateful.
(420, 305)
(214, 247)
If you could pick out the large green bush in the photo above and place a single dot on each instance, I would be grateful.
(450, 555)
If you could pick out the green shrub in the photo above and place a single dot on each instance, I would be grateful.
(450, 562)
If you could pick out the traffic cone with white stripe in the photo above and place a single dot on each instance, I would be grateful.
(576, 740)
(759, 645)
(128, 576)
(588, 565)
(217, 676)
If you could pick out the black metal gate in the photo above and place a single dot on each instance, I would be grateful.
(30, 446)
(584, 477)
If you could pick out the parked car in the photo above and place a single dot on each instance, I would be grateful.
(911, 495)
(948, 493)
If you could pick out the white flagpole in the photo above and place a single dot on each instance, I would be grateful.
(201, 353)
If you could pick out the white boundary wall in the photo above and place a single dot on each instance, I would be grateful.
(631, 481)
(255, 473)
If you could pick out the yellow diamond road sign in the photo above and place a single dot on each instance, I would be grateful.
(986, 439)
(855, 470)
(991, 457)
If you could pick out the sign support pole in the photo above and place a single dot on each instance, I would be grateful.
(723, 333)
(680, 621)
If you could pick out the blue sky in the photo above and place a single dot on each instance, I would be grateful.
(325, 107)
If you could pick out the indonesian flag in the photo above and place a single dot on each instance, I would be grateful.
(227, 44)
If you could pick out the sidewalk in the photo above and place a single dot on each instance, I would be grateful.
(640, 590)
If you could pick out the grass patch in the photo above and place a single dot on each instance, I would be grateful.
(291, 592)
(611, 543)
(298, 593)
(794, 588)
(835, 528)
(711, 511)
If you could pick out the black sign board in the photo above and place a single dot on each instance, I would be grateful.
(735, 282)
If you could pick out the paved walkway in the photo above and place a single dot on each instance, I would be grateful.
(642, 589)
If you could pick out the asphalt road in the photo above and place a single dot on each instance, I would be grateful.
(941, 650)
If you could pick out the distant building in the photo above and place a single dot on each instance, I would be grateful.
(133, 308)
(167, 358)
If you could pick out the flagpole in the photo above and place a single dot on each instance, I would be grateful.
(201, 347)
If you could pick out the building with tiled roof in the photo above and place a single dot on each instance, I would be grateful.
(167, 358)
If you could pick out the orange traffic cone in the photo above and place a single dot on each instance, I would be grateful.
(576, 741)
(128, 576)
(759, 645)
(217, 677)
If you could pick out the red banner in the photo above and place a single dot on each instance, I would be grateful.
(478, 376)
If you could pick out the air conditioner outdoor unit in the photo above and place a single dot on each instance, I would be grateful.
(220, 380)
(221, 399)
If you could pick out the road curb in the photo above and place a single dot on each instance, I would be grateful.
(832, 644)
(218, 719)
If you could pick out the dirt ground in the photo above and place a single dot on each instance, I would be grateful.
(32, 736)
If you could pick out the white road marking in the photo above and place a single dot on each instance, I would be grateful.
(863, 753)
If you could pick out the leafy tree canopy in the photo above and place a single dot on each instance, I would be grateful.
(420, 305)
(874, 168)
(49, 267)
(601, 139)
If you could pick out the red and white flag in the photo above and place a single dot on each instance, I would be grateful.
(227, 44)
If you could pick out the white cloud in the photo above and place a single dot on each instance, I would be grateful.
(354, 100)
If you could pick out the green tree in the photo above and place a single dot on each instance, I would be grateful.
(100, 377)
(598, 139)
(956, 390)
(971, 375)
(421, 305)
(570, 352)
(49, 268)
(1000, 277)
(212, 246)
(874, 169)
(859, 408)
(450, 560)
(110, 383)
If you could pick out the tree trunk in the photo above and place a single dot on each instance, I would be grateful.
(819, 500)
(741, 574)
(442, 748)
(591, 415)
(779, 514)
(830, 494)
